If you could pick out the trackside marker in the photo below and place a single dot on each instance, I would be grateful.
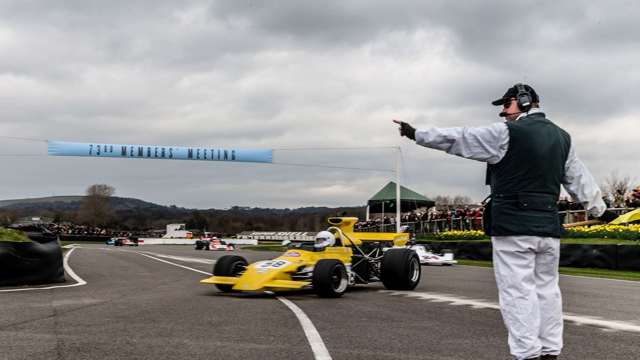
(612, 325)
(67, 269)
(320, 351)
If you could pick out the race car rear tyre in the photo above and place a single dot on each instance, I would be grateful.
(330, 278)
(229, 265)
(400, 269)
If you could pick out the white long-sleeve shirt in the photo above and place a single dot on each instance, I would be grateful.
(490, 144)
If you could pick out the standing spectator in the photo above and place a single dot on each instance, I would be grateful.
(468, 217)
(633, 198)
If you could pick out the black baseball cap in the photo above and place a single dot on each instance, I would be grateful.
(512, 92)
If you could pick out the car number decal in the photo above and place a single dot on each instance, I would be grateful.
(271, 264)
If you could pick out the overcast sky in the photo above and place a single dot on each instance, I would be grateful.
(291, 74)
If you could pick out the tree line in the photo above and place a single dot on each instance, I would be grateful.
(98, 208)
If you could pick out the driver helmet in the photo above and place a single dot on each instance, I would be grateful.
(324, 239)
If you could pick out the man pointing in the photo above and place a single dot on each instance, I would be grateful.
(528, 157)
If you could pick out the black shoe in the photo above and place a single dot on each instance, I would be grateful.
(548, 357)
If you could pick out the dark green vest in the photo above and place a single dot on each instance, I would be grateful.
(525, 184)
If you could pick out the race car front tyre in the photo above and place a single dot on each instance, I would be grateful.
(330, 278)
(229, 265)
(400, 269)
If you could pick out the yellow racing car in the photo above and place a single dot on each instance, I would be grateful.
(339, 258)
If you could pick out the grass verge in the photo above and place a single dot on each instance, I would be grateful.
(579, 241)
(480, 263)
(10, 235)
(589, 272)
(599, 241)
(420, 240)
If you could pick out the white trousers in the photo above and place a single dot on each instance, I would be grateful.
(526, 270)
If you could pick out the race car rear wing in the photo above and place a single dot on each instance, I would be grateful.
(351, 237)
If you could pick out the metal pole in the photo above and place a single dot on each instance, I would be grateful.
(382, 222)
(398, 189)
(367, 215)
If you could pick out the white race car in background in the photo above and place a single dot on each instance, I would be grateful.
(429, 258)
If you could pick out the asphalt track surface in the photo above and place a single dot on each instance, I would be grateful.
(147, 307)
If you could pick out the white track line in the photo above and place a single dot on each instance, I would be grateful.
(320, 351)
(67, 269)
(171, 263)
(482, 304)
(165, 256)
(181, 258)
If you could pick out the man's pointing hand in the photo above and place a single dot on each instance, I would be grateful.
(406, 129)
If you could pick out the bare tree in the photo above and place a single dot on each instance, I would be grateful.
(616, 187)
(442, 200)
(461, 200)
(96, 209)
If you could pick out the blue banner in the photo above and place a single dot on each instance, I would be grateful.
(202, 153)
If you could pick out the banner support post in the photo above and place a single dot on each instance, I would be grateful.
(398, 200)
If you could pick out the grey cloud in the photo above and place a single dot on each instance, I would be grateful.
(539, 42)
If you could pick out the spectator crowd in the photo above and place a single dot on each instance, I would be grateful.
(446, 218)
(430, 220)
(83, 230)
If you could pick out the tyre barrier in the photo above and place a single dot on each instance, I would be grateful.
(31, 263)
(614, 257)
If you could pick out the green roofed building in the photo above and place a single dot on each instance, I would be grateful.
(385, 200)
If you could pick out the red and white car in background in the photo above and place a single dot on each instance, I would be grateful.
(122, 241)
(212, 243)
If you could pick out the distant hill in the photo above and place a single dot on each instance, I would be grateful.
(50, 199)
(72, 203)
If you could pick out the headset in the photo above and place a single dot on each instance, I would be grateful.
(524, 100)
(523, 97)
